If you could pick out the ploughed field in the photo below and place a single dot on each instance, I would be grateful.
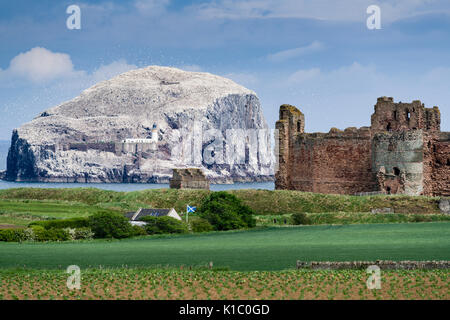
(261, 249)
(199, 284)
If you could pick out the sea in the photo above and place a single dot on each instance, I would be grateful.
(124, 187)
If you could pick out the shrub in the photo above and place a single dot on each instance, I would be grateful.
(161, 225)
(14, 235)
(41, 234)
(110, 225)
(83, 234)
(138, 231)
(299, 218)
(62, 223)
(224, 211)
(70, 232)
(200, 225)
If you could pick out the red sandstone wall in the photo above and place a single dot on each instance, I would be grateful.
(440, 179)
(332, 163)
(301, 174)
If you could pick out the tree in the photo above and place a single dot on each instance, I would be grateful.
(226, 212)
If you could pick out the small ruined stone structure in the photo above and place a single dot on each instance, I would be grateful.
(191, 178)
(403, 152)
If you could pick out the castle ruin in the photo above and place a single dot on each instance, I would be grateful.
(402, 152)
(189, 178)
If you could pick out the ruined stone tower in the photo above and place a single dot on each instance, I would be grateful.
(402, 152)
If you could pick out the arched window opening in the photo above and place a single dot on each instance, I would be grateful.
(396, 171)
(389, 127)
(408, 115)
(299, 125)
(395, 115)
(388, 190)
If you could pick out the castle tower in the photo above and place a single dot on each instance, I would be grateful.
(400, 116)
(292, 122)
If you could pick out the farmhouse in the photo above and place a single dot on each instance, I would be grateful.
(402, 152)
(135, 217)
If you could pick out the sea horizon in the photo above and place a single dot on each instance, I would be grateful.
(126, 187)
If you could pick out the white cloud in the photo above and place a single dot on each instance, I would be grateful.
(304, 75)
(151, 7)
(40, 65)
(350, 78)
(245, 79)
(343, 10)
(192, 67)
(296, 52)
(111, 70)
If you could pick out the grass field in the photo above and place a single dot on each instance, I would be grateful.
(22, 212)
(260, 249)
(177, 284)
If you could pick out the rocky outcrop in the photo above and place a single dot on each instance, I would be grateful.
(140, 125)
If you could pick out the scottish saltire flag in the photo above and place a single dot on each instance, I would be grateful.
(191, 209)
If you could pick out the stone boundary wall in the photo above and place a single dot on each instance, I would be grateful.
(383, 264)
(444, 205)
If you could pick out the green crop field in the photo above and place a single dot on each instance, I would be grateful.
(260, 249)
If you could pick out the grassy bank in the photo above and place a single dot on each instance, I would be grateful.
(259, 249)
(351, 218)
(264, 202)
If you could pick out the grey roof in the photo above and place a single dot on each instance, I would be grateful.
(148, 212)
(129, 215)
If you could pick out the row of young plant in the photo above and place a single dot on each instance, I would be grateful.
(219, 211)
(157, 284)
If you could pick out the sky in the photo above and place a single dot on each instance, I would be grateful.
(317, 55)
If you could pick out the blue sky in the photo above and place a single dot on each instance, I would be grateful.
(318, 55)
